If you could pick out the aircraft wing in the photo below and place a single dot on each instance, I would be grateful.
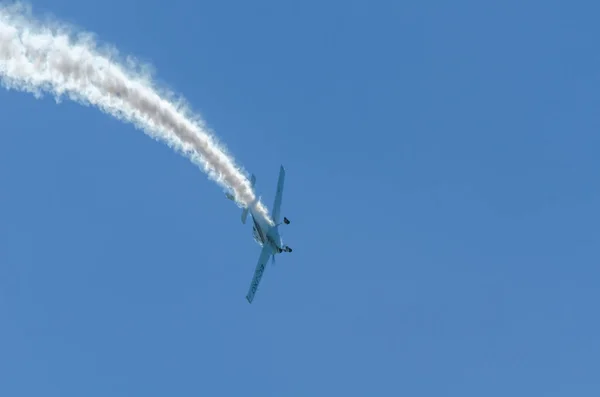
(278, 196)
(263, 259)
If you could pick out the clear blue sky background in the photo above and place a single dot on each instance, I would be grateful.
(442, 183)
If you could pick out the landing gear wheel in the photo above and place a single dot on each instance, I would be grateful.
(286, 220)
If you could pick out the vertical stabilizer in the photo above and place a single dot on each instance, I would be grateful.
(245, 210)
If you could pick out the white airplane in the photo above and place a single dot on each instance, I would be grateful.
(264, 234)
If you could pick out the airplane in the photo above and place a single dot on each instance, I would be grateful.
(265, 234)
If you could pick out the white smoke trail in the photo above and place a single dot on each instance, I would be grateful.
(46, 57)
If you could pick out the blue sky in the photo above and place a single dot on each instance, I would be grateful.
(441, 182)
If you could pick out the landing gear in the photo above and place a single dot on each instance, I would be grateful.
(287, 249)
(286, 220)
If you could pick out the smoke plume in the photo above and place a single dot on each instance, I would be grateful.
(50, 57)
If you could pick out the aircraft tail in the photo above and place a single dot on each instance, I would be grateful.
(244, 210)
(244, 215)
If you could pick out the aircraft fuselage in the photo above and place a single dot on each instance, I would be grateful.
(266, 234)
